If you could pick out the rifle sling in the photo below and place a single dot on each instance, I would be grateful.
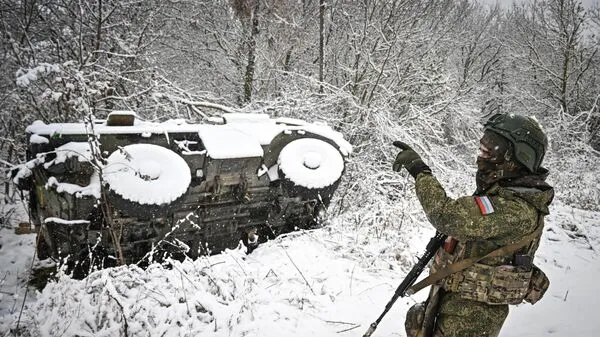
(463, 264)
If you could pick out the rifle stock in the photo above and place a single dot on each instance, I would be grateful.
(404, 288)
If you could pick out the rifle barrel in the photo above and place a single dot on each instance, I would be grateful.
(434, 244)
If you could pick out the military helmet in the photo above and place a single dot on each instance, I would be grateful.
(526, 135)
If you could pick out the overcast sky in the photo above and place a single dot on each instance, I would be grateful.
(587, 3)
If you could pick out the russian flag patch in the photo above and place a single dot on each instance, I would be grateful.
(485, 205)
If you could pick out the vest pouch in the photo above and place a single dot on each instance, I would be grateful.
(505, 284)
(414, 319)
(538, 285)
(440, 260)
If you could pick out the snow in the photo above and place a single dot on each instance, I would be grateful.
(81, 150)
(147, 174)
(184, 146)
(331, 281)
(26, 76)
(66, 222)
(263, 133)
(223, 142)
(92, 189)
(24, 170)
(245, 118)
(571, 262)
(243, 133)
(153, 175)
(306, 283)
(122, 113)
(273, 172)
(291, 121)
(35, 139)
(311, 163)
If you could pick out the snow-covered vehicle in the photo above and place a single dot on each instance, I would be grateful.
(127, 188)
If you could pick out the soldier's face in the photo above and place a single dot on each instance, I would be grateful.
(492, 148)
(491, 158)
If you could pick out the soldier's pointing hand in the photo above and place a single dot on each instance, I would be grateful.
(409, 159)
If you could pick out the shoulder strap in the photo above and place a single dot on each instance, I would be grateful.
(463, 264)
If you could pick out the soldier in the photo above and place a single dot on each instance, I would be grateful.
(494, 233)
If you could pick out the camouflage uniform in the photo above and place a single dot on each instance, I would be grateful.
(516, 211)
(507, 210)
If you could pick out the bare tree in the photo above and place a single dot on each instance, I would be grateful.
(321, 43)
(550, 46)
(247, 11)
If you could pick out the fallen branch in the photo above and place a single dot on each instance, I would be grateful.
(298, 269)
(125, 326)
(200, 104)
(352, 328)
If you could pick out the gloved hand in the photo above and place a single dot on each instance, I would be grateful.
(408, 158)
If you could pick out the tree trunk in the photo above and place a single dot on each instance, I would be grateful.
(249, 77)
(321, 51)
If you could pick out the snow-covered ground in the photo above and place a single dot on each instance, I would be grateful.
(330, 281)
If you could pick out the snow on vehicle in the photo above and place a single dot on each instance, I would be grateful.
(126, 188)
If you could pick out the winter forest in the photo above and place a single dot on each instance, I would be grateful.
(427, 72)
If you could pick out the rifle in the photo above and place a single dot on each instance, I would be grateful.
(404, 288)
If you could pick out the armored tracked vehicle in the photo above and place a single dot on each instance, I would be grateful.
(122, 190)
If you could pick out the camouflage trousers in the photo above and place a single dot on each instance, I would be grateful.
(457, 317)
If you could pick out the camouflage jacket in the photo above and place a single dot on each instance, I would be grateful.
(517, 207)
